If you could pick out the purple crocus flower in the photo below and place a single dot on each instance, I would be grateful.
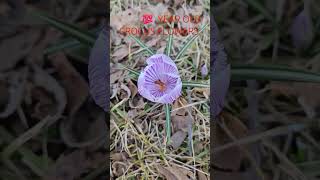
(204, 70)
(221, 71)
(160, 81)
(99, 72)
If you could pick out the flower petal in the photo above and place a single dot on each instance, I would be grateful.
(97, 71)
(142, 89)
(220, 69)
(172, 95)
(161, 58)
(160, 68)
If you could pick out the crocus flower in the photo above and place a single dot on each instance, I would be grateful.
(98, 71)
(220, 69)
(160, 81)
(204, 70)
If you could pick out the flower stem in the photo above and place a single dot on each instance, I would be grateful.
(168, 119)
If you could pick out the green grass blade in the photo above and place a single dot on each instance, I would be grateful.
(272, 73)
(259, 7)
(66, 44)
(168, 122)
(189, 42)
(169, 43)
(74, 31)
(195, 84)
(143, 45)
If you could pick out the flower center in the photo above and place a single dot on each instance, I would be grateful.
(162, 86)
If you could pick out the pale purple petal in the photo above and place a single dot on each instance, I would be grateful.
(172, 95)
(98, 71)
(160, 81)
(301, 30)
(204, 70)
(220, 72)
(141, 90)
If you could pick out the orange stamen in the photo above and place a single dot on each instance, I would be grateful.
(161, 85)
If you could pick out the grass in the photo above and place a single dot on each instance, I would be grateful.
(149, 134)
(282, 113)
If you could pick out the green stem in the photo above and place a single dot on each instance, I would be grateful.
(168, 119)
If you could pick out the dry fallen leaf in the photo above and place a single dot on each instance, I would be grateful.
(181, 123)
(119, 156)
(204, 91)
(306, 94)
(119, 168)
(132, 113)
(125, 92)
(230, 158)
(177, 139)
(172, 173)
(86, 128)
(202, 176)
(120, 53)
(127, 18)
(115, 76)
(17, 81)
(13, 50)
(153, 41)
(73, 165)
(133, 88)
(137, 102)
(75, 85)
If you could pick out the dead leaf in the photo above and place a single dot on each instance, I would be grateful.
(119, 156)
(177, 139)
(132, 113)
(178, 3)
(203, 91)
(230, 158)
(42, 79)
(136, 103)
(308, 97)
(133, 88)
(153, 42)
(181, 123)
(75, 85)
(127, 18)
(116, 76)
(85, 129)
(120, 53)
(73, 165)
(198, 147)
(202, 176)
(115, 88)
(126, 93)
(306, 94)
(172, 173)
(13, 50)
(115, 38)
(17, 81)
(178, 104)
(118, 168)
(44, 103)
(196, 11)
